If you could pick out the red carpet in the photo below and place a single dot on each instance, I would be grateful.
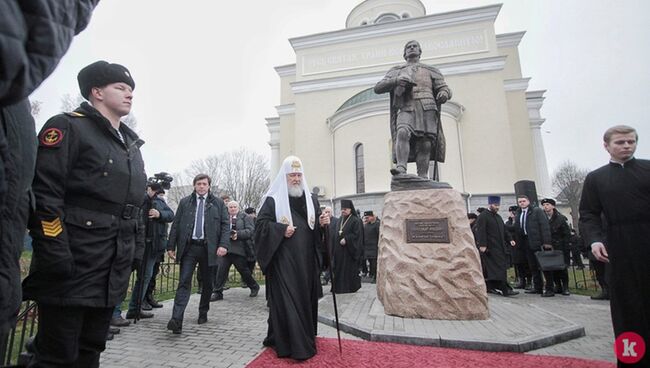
(381, 354)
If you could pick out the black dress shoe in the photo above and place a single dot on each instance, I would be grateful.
(143, 315)
(119, 322)
(113, 330)
(533, 291)
(254, 292)
(146, 306)
(548, 293)
(566, 292)
(175, 326)
(510, 293)
(216, 296)
(203, 318)
(604, 295)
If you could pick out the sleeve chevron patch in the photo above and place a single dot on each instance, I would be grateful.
(52, 228)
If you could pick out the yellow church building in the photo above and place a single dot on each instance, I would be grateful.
(330, 117)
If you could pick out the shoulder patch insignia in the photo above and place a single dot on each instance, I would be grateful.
(52, 228)
(51, 137)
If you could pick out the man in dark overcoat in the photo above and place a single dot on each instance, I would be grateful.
(492, 239)
(34, 36)
(560, 235)
(88, 187)
(371, 242)
(517, 254)
(199, 234)
(534, 235)
(615, 223)
(241, 232)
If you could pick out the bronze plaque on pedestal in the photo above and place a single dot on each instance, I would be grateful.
(427, 231)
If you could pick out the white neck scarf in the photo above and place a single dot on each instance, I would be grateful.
(280, 193)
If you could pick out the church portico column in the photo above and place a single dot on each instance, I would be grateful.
(534, 101)
(273, 125)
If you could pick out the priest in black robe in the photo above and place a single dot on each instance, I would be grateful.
(620, 191)
(492, 240)
(347, 248)
(288, 244)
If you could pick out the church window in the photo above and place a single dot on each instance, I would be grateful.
(359, 168)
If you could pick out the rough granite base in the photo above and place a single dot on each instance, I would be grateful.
(429, 280)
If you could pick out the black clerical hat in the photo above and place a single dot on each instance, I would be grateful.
(346, 203)
(101, 73)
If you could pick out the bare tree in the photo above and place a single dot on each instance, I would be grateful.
(180, 188)
(35, 107)
(71, 102)
(242, 174)
(567, 181)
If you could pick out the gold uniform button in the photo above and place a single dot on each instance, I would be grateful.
(89, 223)
(105, 173)
(110, 161)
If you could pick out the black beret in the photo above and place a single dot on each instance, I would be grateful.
(472, 216)
(548, 200)
(101, 73)
(513, 208)
(249, 210)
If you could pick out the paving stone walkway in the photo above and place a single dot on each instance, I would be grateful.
(237, 325)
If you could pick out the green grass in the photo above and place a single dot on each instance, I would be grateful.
(581, 282)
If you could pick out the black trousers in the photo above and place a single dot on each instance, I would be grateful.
(70, 336)
(194, 254)
(535, 271)
(241, 264)
(152, 282)
(372, 262)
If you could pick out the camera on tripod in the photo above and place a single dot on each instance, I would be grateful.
(160, 181)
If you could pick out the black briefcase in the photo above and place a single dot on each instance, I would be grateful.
(550, 260)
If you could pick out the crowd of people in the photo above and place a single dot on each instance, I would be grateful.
(513, 243)
(81, 189)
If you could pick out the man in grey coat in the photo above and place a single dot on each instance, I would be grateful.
(242, 230)
(199, 234)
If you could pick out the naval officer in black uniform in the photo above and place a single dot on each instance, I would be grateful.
(89, 185)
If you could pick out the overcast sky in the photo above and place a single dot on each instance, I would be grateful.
(205, 79)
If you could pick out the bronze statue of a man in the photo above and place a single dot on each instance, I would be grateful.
(417, 92)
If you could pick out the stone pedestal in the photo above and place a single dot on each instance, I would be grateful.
(429, 280)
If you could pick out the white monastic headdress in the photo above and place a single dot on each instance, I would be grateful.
(280, 193)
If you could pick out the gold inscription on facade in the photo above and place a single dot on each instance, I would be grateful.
(384, 53)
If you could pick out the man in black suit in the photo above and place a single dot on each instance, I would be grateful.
(534, 234)
(199, 233)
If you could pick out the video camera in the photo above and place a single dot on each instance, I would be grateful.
(160, 181)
